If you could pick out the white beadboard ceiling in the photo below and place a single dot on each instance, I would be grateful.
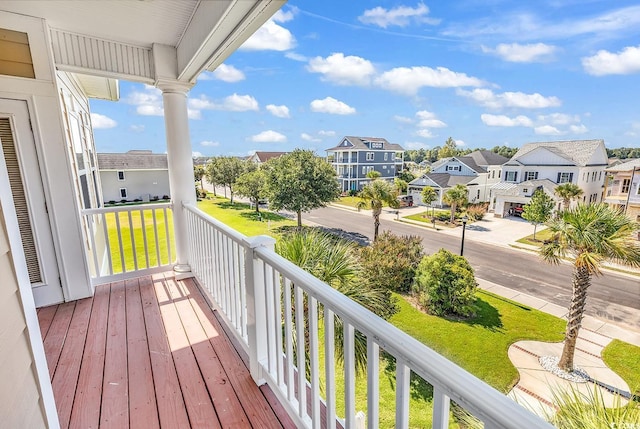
(132, 21)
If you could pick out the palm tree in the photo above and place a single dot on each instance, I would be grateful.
(456, 196)
(590, 234)
(375, 195)
(568, 192)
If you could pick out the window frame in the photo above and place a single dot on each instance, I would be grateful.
(370, 156)
(121, 176)
(126, 195)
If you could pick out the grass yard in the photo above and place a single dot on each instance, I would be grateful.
(242, 218)
(624, 359)
(480, 344)
(541, 235)
(349, 201)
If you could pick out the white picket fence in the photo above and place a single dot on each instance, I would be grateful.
(267, 301)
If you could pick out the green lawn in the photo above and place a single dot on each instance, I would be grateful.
(540, 237)
(349, 201)
(242, 218)
(426, 215)
(624, 359)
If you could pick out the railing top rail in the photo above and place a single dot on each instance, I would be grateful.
(129, 208)
(232, 233)
(482, 400)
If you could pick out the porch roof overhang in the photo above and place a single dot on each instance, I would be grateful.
(145, 41)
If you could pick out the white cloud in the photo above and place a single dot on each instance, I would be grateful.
(559, 118)
(268, 136)
(279, 111)
(326, 133)
(400, 16)
(232, 103)
(505, 121)
(460, 143)
(488, 98)
(137, 128)
(309, 138)
(228, 73)
(337, 68)
(627, 61)
(408, 81)
(547, 130)
(149, 103)
(403, 119)
(284, 16)
(209, 143)
(428, 120)
(296, 57)
(332, 106)
(578, 129)
(99, 121)
(271, 36)
(517, 53)
(196, 154)
(425, 133)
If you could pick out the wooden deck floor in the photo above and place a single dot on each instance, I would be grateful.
(150, 353)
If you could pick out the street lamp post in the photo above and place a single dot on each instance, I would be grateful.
(464, 219)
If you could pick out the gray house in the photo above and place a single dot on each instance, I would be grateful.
(354, 157)
(135, 175)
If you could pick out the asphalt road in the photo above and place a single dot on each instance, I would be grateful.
(614, 296)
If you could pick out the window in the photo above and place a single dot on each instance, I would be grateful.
(510, 176)
(499, 173)
(478, 194)
(530, 175)
(525, 191)
(493, 174)
(123, 192)
(370, 156)
(453, 168)
(121, 175)
(565, 178)
(625, 186)
(364, 170)
(593, 176)
(386, 156)
(638, 189)
(600, 176)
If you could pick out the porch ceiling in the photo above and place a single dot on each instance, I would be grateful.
(116, 39)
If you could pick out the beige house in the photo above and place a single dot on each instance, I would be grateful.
(622, 188)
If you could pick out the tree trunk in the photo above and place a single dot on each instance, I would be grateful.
(566, 203)
(231, 193)
(535, 226)
(581, 282)
(299, 219)
(201, 184)
(376, 224)
(453, 213)
(257, 205)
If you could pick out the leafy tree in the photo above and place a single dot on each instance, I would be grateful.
(406, 175)
(400, 184)
(539, 210)
(375, 195)
(391, 261)
(456, 197)
(445, 284)
(252, 185)
(300, 181)
(568, 192)
(230, 169)
(505, 151)
(212, 174)
(334, 261)
(449, 149)
(429, 195)
(198, 174)
(590, 235)
(373, 174)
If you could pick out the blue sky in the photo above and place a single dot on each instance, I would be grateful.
(485, 72)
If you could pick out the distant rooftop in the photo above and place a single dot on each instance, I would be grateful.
(132, 160)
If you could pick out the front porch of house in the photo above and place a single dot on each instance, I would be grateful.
(149, 352)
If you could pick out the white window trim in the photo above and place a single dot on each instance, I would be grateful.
(124, 177)
(126, 195)
(370, 156)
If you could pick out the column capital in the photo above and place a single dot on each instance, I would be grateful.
(173, 86)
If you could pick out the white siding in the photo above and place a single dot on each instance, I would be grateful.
(139, 184)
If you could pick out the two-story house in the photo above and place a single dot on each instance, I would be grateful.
(260, 157)
(134, 175)
(354, 157)
(479, 171)
(622, 188)
(544, 165)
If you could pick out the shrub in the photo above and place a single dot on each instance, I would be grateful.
(154, 198)
(112, 201)
(445, 284)
(477, 211)
(137, 200)
(353, 193)
(391, 261)
(165, 197)
(443, 216)
(123, 200)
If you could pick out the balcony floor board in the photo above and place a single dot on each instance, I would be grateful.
(149, 352)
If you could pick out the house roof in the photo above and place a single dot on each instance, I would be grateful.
(132, 160)
(442, 180)
(471, 163)
(359, 143)
(266, 156)
(628, 165)
(577, 151)
(486, 157)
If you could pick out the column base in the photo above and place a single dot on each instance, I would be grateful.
(182, 271)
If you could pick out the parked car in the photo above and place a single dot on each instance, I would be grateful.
(405, 200)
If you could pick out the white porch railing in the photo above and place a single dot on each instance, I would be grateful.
(268, 301)
(128, 241)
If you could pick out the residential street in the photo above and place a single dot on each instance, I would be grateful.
(614, 297)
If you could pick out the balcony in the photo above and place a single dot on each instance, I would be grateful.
(221, 347)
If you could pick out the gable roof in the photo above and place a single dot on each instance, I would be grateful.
(486, 157)
(628, 165)
(442, 180)
(359, 143)
(577, 151)
(266, 156)
(132, 160)
(471, 163)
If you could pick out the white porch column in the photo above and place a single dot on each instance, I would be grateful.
(179, 157)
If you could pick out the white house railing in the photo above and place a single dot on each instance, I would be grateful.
(128, 241)
(273, 305)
